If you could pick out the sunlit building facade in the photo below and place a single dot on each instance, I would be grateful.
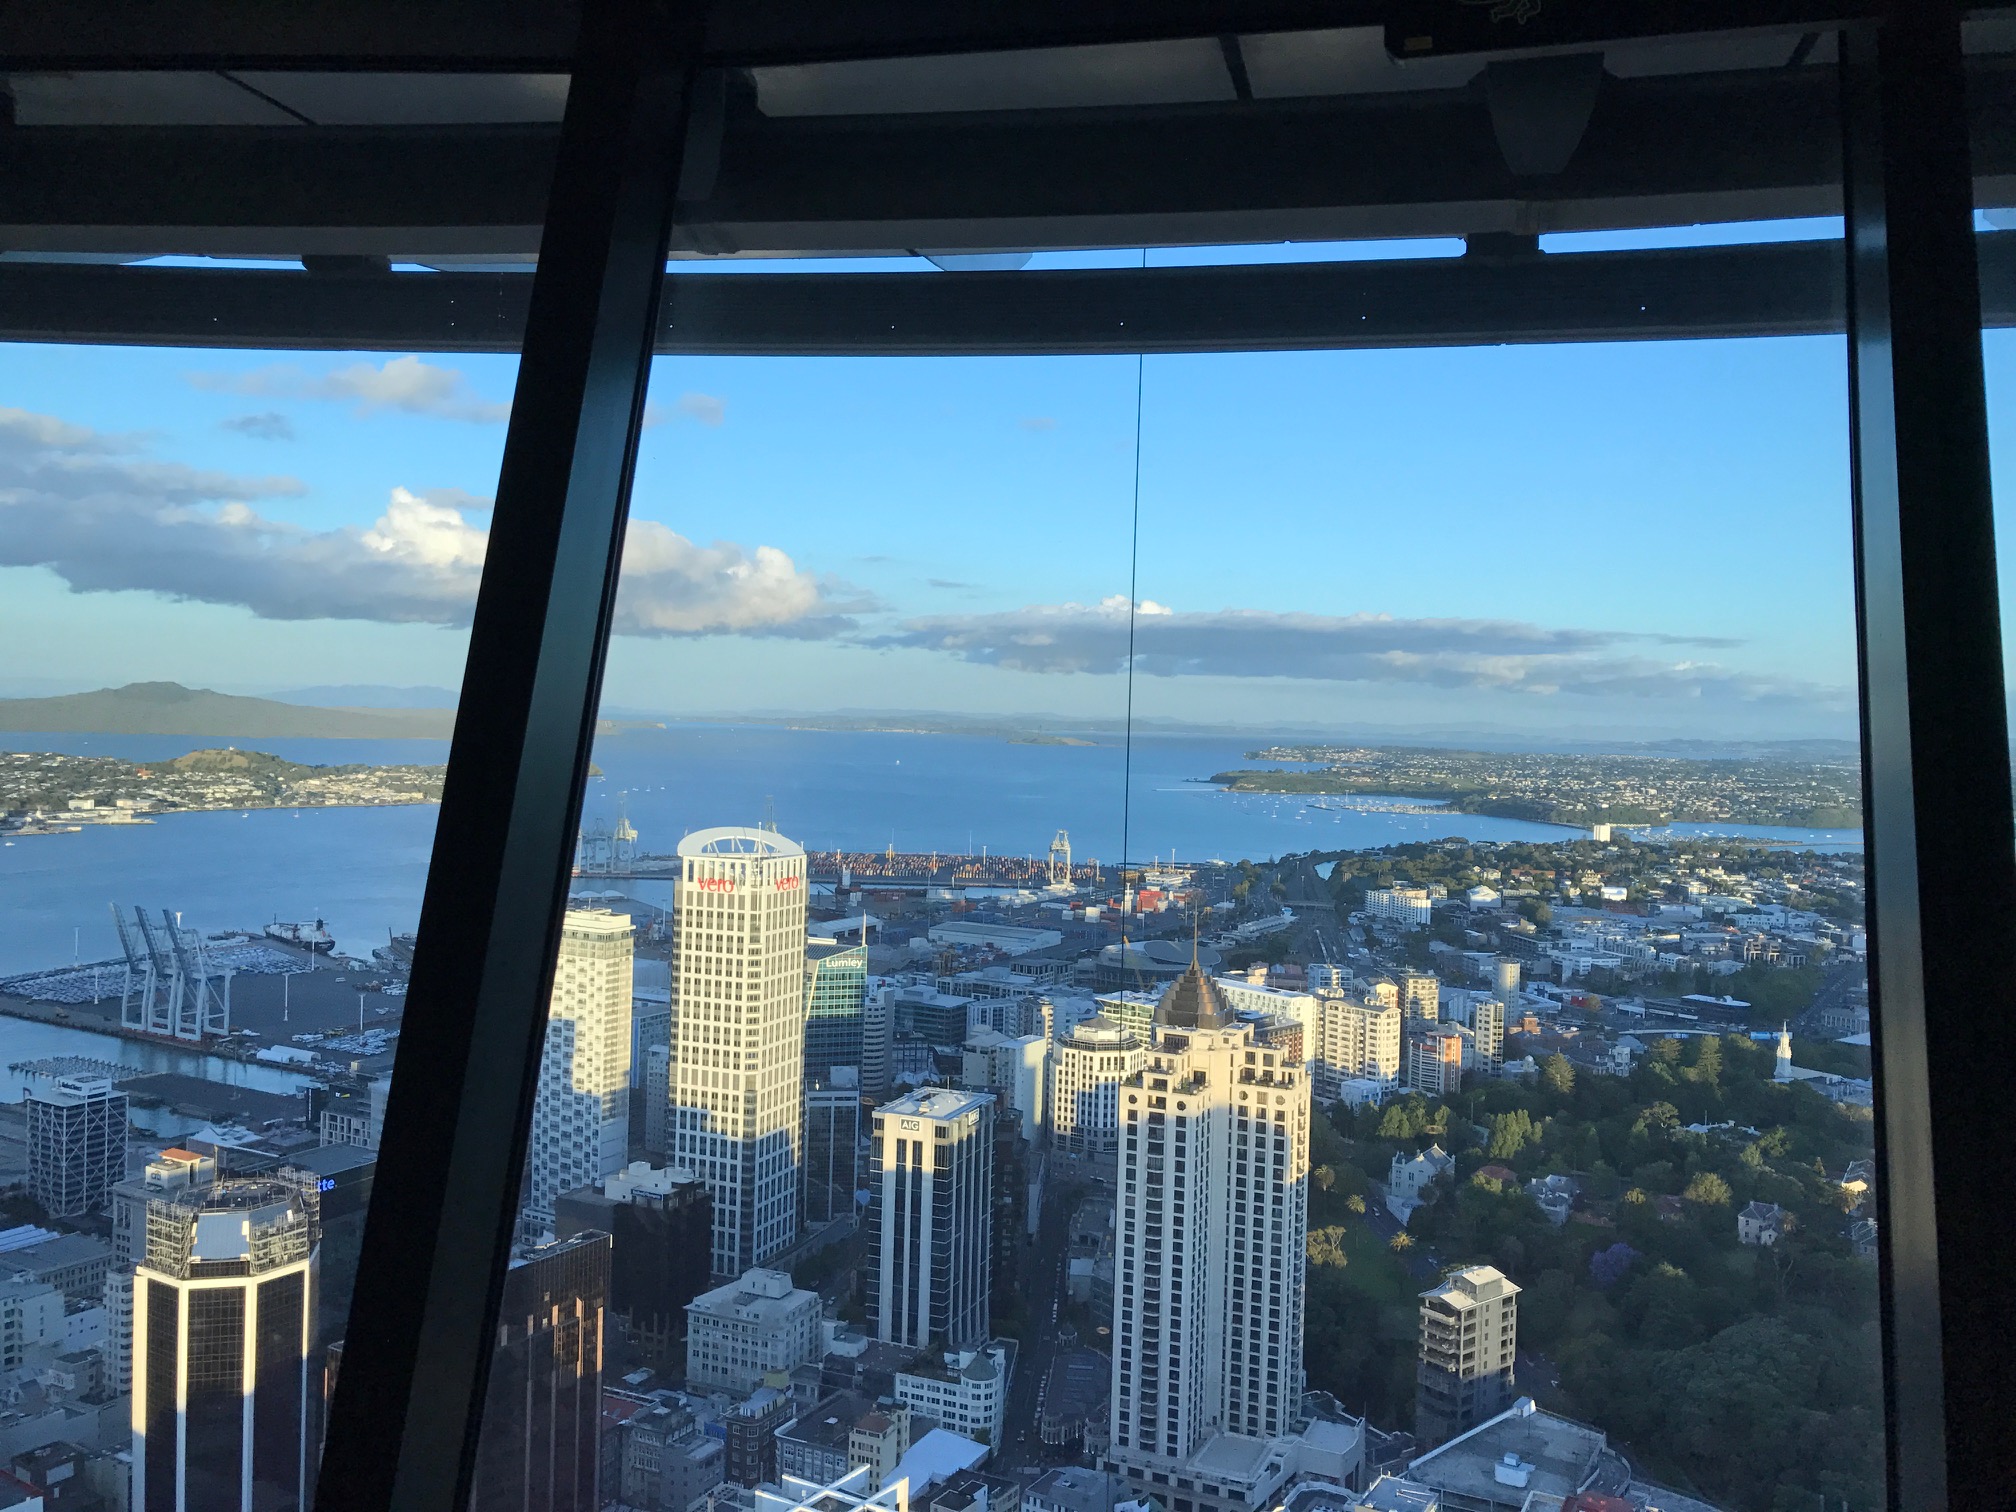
(738, 1074)
(581, 1120)
(1212, 1215)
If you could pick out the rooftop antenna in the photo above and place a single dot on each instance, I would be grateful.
(770, 813)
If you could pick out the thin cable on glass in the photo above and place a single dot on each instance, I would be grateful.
(1133, 610)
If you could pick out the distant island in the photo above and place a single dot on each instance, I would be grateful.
(44, 793)
(1574, 790)
(166, 708)
(1055, 740)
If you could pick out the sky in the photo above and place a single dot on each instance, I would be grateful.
(1626, 541)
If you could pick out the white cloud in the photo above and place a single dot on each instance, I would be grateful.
(103, 518)
(706, 409)
(1500, 655)
(406, 384)
(670, 586)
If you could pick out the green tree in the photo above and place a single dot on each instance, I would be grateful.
(1326, 1247)
(1708, 1189)
(1401, 1242)
(1558, 1074)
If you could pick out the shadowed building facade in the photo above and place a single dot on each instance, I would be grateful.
(540, 1449)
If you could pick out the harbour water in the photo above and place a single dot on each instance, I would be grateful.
(363, 869)
(22, 1040)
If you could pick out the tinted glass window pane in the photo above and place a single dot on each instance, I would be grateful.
(235, 584)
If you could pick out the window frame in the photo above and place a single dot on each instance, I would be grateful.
(1941, 842)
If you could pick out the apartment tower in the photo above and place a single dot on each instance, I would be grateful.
(1212, 1214)
(931, 1218)
(738, 1071)
(1420, 997)
(1469, 1335)
(223, 1319)
(581, 1120)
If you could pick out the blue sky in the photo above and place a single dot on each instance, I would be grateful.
(1646, 540)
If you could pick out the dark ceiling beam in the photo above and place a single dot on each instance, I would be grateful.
(539, 34)
(1657, 151)
(1765, 290)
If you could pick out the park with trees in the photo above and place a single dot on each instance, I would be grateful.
(1747, 1375)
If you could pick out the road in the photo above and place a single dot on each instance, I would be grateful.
(1419, 1262)
(1042, 1278)
(1833, 993)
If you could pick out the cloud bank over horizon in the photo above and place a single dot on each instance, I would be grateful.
(1495, 655)
(104, 514)
(104, 517)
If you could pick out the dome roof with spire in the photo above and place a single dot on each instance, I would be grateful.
(1191, 1002)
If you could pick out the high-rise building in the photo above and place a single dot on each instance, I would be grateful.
(832, 1158)
(878, 1041)
(1505, 980)
(1361, 1038)
(1420, 997)
(661, 1226)
(1018, 1067)
(223, 1320)
(931, 1218)
(1487, 1023)
(540, 1448)
(581, 1119)
(1212, 1224)
(657, 1097)
(738, 1071)
(1087, 1064)
(76, 1142)
(1469, 1337)
(1435, 1063)
(836, 990)
(170, 1171)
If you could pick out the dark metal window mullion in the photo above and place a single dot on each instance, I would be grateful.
(1935, 753)
(405, 1421)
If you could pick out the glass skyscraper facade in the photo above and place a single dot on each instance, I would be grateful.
(836, 988)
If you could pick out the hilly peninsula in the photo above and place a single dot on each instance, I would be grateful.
(166, 708)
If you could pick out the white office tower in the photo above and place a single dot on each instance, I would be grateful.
(931, 1218)
(1207, 1297)
(581, 1120)
(76, 1129)
(1505, 980)
(738, 1071)
(223, 1315)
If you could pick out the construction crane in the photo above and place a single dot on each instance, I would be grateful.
(1060, 859)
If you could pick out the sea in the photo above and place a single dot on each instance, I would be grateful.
(362, 870)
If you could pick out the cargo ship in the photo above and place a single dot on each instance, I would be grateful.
(311, 937)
